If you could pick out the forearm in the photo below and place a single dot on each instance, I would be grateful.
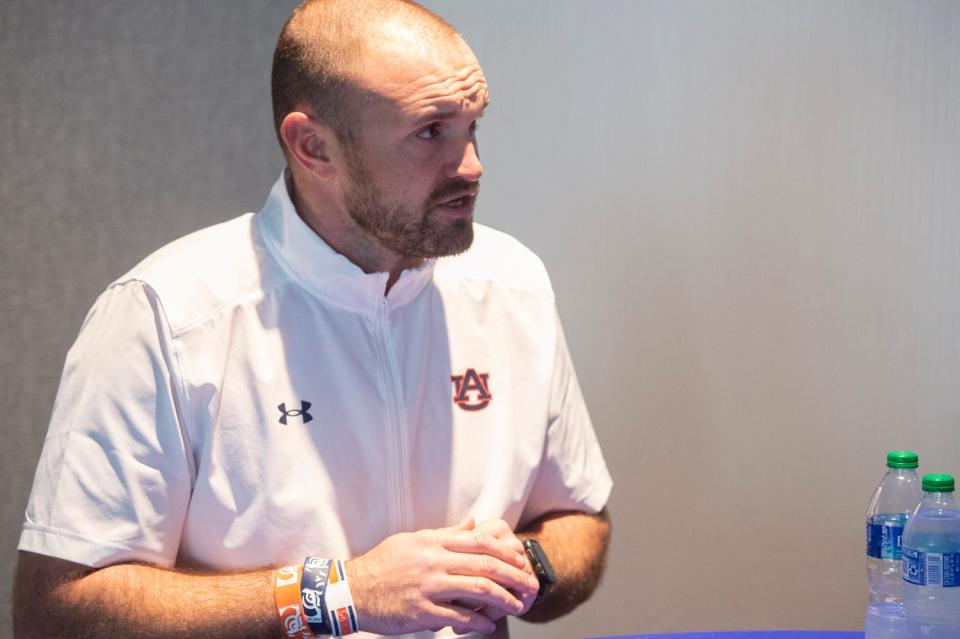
(134, 600)
(576, 544)
(460, 576)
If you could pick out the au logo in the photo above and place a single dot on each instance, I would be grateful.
(471, 391)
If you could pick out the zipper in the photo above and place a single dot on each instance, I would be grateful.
(400, 474)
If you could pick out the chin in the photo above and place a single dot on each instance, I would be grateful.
(456, 239)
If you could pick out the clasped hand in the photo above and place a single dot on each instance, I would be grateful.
(466, 576)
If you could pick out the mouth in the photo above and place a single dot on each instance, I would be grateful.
(458, 202)
(461, 203)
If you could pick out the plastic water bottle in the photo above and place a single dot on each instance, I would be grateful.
(888, 621)
(931, 560)
(893, 502)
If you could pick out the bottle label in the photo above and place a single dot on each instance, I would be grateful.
(931, 568)
(883, 535)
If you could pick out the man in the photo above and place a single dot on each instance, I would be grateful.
(356, 373)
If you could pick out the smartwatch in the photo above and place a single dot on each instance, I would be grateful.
(541, 567)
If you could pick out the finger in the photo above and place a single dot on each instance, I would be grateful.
(477, 593)
(496, 527)
(493, 614)
(468, 603)
(515, 545)
(499, 529)
(462, 620)
(528, 601)
(467, 524)
(503, 574)
(480, 543)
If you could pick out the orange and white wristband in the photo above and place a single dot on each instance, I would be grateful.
(314, 600)
(289, 605)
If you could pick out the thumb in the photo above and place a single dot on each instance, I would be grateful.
(467, 524)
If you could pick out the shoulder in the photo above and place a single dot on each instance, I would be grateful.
(498, 259)
(204, 271)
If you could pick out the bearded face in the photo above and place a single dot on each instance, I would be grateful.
(439, 225)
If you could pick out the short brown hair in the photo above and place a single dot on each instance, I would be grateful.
(318, 53)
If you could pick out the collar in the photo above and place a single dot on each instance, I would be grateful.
(325, 272)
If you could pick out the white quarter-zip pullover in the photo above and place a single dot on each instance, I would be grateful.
(246, 396)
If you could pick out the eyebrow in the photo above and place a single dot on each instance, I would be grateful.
(448, 112)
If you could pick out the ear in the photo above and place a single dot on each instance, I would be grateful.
(309, 143)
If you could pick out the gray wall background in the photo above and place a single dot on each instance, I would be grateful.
(750, 211)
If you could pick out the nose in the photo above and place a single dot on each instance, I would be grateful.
(468, 167)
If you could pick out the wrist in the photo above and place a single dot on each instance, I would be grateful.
(293, 622)
(314, 600)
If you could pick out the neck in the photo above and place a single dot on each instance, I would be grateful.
(341, 233)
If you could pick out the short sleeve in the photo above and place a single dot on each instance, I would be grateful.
(114, 478)
(572, 474)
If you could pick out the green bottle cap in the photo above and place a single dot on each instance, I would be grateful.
(937, 483)
(902, 459)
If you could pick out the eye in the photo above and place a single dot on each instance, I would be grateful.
(429, 132)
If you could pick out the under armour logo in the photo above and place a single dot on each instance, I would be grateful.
(471, 382)
(304, 406)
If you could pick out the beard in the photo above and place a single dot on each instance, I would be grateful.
(402, 229)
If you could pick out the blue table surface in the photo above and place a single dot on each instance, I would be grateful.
(752, 634)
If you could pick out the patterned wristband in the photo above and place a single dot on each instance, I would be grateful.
(313, 594)
(287, 595)
(341, 613)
